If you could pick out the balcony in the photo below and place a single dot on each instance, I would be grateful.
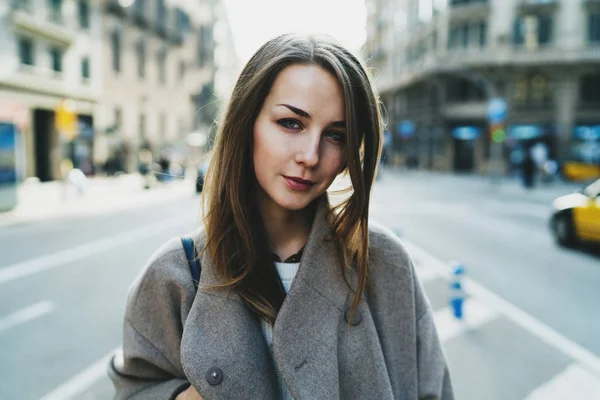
(141, 19)
(52, 27)
(113, 7)
(176, 37)
(469, 9)
(537, 5)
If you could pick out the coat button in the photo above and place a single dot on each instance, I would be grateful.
(357, 318)
(214, 376)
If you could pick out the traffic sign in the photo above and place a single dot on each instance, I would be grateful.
(496, 110)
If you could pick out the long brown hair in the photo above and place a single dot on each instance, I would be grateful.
(235, 235)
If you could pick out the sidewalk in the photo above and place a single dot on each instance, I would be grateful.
(51, 200)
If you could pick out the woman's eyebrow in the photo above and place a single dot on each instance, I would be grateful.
(302, 113)
(296, 110)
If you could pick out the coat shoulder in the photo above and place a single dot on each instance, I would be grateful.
(167, 270)
(386, 248)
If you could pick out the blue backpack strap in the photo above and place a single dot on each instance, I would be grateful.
(192, 258)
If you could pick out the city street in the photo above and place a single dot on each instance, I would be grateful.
(531, 330)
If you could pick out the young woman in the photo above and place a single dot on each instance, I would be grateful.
(297, 298)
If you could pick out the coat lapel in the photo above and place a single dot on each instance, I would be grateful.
(221, 334)
(318, 353)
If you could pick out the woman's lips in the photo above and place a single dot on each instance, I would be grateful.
(298, 183)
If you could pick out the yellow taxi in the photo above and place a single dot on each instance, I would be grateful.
(576, 216)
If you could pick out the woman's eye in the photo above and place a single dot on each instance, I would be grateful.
(339, 137)
(289, 123)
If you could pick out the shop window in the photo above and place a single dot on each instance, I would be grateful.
(590, 90)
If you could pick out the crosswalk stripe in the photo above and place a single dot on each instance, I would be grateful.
(26, 314)
(82, 381)
(476, 314)
(575, 382)
(425, 274)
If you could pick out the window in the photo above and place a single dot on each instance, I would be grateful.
(533, 90)
(26, 51)
(55, 10)
(24, 5)
(589, 87)
(83, 9)
(594, 27)
(533, 30)
(118, 117)
(161, 59)
(115, 39)
(85, 68)
(141, 58)
(544, 29)
(463, 2)
(56, 54)
(468, 35)
(181, 70)
(161, 14)
(182, 21)
(142, 125)
(482, 26)
(205, 46)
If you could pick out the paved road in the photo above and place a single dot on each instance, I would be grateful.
(63, 314)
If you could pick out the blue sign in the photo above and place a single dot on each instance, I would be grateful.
(466, 132)
(8, 166)
(406, 128)
(8, 143)
(587, 132)
(525, 132)
(497, 109)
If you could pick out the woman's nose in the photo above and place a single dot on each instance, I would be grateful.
(308, 154)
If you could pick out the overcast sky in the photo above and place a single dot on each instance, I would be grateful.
(253, 22)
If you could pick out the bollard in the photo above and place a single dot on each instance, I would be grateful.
(457, 292)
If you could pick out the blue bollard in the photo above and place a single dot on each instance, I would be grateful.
(457, 292)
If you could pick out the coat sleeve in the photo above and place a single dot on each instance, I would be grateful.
(149, 365)
(433, 374)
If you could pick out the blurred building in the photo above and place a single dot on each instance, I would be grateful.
(50, 62)
(158, 73)
(438, 63)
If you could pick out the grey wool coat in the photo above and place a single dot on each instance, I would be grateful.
(175, 336)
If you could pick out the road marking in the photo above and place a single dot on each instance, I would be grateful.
(425, 274)
(82, 381)
(476, 314)
(583, 356)
(26, 314)
(45, 263)
(574, 382)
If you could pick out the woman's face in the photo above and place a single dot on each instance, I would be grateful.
(299, 137)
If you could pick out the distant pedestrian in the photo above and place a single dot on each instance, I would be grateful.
(528, 169)
(297, 298)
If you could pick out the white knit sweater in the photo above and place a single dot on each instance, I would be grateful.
(287, 272)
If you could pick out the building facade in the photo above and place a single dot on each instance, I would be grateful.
(50, 52)
(439, 63)
(158, 74)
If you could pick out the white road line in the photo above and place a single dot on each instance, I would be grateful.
(82, 381)
(574, 382)
(476, 315)
(26, 314)
(548, 335)
(44, 263)
(425, 274)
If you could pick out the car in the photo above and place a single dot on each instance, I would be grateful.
(576, 216)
